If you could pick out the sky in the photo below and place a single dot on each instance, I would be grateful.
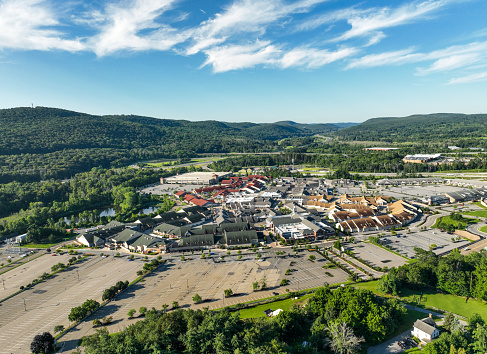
(310, 61)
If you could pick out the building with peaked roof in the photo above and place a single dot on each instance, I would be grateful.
(194, 242)
(244, 238)
(196, 178)
(425, 329)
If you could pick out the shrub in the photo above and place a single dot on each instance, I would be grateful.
(197, 299)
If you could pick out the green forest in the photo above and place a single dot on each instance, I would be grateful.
(42, 143)
(353, 159)
(333, 321)
(46, 203)
(455, 274)
(458, 128)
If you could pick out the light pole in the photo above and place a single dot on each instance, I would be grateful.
(25, 306)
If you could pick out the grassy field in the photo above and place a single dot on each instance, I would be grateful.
(479, 213)
(483, 229)
(433, 300)
(258, 311)
(458, 224)
(479, 205)
(41, 245)
(463, 171)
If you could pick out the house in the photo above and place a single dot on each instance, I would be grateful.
(90, 240)
(425, 329)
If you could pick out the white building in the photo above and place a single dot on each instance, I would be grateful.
(425, 329)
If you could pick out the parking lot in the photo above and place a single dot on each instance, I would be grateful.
(376, 256)
(404, 243)
(48, 304)
(23, 275)
(169, 188)
(178, 280)
(418, 192)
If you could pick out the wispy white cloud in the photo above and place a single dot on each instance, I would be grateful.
(373, 20)
(450, 58)
(313, 58)
(451, 62)
(478, 77)
(244, 16)
(234, 57)
(263, 53)
(121, 26)
(241, 35)
(330, 17)
(455, 57)
(32, 25)
(387, 58)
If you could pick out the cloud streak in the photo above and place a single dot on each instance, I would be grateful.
(242, 34)
(478, 77)
(32, 25)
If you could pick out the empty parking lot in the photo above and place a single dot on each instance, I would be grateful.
(23, 275)
(376, 256)
(405, 243)
(48, 304)
(178, 280)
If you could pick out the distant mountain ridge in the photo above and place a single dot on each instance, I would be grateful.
(419, 128)
(44, 129)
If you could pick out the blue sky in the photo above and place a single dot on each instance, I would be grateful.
(311, 61)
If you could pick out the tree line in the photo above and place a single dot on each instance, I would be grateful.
(335, 321)
(39, 207)
(455, 274)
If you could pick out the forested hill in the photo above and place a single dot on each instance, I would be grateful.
(42, 143)
(41, 130)
(441, 127)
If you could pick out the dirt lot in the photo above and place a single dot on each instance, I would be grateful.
(180, 280)
(378, 257)
(48, 304)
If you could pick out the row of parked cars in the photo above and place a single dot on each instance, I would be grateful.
(407, 343)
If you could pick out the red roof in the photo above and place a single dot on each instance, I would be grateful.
(201, 202)
(180, 193)
(189, 197)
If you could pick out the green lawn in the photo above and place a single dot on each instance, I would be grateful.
(38, 245)
(458, 224)
(479, 205)
(258, 311)
(479, 213)
(483, 229)
(432, 300)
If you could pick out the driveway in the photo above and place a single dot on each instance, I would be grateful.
(391, 345)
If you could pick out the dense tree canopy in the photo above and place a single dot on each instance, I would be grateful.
(325, 322)
(455, 274)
